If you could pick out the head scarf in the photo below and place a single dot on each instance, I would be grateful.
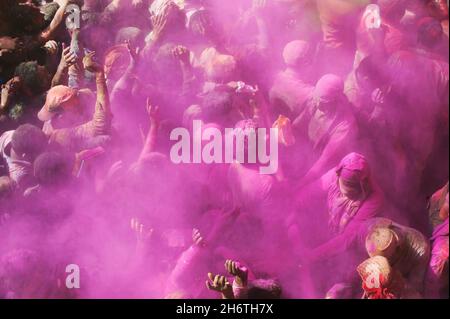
(296, 53)
(354, 169)
(329, 88)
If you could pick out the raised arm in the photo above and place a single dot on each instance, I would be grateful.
(150, 140)
(48, 33)
(102, 115)
(67, 60)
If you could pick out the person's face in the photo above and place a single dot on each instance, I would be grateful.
(352, 192)
(326, 105)
(70, 116)
(8, 90)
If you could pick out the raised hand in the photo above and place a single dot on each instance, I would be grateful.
(143, 233)
(259, 5)
(240, 272)
(134, 52)
(136, 3)
(51, 47)
(8, 90)
(197, 238)
(220, 284)
(153, 112)
(182, 53)
(90, 64)
(68, 58)
(160, 21)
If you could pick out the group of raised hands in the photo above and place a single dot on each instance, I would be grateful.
(222, 284)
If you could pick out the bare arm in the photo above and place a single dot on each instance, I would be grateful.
(67, 60)
(150, 140)
(57, 20)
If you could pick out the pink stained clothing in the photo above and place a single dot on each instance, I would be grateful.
(351, 216)
(290, 92)
(19, 171)
(344, 212)
(189, 272)
(251, 190)
(329, 137)
(240, 292)
(339, 19)
(437, 276)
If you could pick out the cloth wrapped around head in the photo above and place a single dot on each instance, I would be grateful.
(297, 53)
(329, 88)
(354, 169)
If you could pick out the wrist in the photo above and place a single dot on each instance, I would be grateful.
(62, 67)
(100, 76)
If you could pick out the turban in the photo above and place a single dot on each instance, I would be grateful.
(329, 88)
(354, 168)
(296, 53)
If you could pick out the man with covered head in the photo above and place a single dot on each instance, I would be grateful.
(62, 113)
(326, 129)
(292, 87)
(352, 198)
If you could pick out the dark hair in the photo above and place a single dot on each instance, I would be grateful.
(28, 139)
(216, 104)
(53, 168)
(28, 73)
(49, 10)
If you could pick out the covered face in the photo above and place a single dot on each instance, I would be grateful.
(353, 176)
(328, 92)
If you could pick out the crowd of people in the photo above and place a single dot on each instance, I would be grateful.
(91, 91)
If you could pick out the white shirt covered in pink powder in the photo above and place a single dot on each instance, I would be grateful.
(18, 169)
